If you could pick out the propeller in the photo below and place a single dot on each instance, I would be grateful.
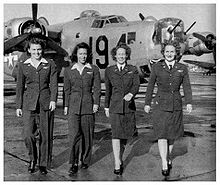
(199, 36)
(141, 16)
(190, 27)
(171, 31)
(210, 42)
(34, 12)
(18, 42)
(11, 43)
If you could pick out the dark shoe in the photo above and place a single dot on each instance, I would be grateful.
(117, 172)
(169, 164)
(73, 169)
(84, 166)
(43, 170)
(166, 172)
(120, 170)
(31, 167)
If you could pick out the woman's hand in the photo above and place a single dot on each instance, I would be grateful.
(65, 111)
(19, 112)
(52, 106)
(107, 112)
(95, 108)
(189, 108)
(147, 108)
(128, 97)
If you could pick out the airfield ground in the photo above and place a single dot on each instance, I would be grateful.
(194, 155)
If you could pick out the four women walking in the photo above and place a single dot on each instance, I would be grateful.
(82, 89)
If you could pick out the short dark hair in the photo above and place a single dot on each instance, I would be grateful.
(84, 46)
(175, 44)
(35, 40)
(124, 46)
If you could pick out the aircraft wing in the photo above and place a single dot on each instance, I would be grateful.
(205, 65)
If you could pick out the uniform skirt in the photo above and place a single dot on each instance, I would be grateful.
(168, 125)
(123, 125)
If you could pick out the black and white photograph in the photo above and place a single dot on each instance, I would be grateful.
(109, 91)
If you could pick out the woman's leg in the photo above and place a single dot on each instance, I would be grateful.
(87, 127)
(75, 138)
(123, 142)
(116, 152)
(163, 149)
(170, 148)
(29, 121)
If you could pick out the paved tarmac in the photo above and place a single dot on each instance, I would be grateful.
(194, 155)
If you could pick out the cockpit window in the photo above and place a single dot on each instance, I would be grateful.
(103, 20)
(98, 23)
(113, 20)
(131, 37)
(122, 19)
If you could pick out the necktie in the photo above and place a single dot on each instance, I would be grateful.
(170, 67)
(121, 69)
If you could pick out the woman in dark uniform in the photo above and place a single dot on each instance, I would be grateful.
(122, 84)
(169, 75)
(82, 88)
(36, 95)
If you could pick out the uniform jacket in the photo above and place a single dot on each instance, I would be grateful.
(82, 91)
(168, 97)
(36, 85)
(118, 84)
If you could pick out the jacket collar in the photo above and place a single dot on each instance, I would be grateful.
(125, 69)
(75, 66)
(29, 61)
(164, 65)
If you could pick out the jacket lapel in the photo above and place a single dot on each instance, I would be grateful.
(175, 67)
(165, 67)
(125, 70)
(116, 70)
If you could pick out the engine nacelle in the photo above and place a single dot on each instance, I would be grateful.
(198, 47)
(18, 26)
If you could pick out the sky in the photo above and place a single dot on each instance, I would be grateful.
(204, 14)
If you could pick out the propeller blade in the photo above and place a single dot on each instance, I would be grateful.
(199, 36)
(141, 16)
(171, 31)
(190, 27)
(56, 47)
(53, 45)
(17, 43)
(34, 11)
(11, 43)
